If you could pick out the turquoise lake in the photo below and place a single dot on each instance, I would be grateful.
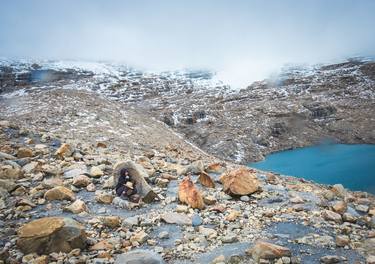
(351, 165)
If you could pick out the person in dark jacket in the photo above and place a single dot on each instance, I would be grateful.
(126, 186)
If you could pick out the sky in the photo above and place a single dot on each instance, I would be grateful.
(242, 40)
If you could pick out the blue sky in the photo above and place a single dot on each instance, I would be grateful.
(245, 38)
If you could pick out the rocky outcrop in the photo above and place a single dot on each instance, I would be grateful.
(51, 234)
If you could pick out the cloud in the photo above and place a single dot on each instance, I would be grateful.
(242, 40)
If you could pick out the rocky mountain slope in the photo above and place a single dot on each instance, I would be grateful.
(301, 106)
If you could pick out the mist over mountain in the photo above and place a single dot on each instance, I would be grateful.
(243, 41)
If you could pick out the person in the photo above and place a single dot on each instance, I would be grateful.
(126, 187)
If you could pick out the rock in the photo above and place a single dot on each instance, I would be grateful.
(370, 260)
(196, 220)
(219, 260)
(91, 187)
(109, 183)
(138, 174)
(208, 232)
(230, 238)
(111, 221)
(339, 190)
(233, 215)
(182, 208)
(163, 235)
(347, 217)
(245, 198)
(209, 200)
(362, 208)
(332, 216)
(265, 250)
(76, 207)
(96, 172)
(176, 218)
(242, 181)
(81, 181)
(52, 182)
(59, 193)
(372, 211)
(103, 245)
(139, 237)
(103, 197)
(330, 259)
(139, 256)
(24, 153)
(51, 234)
(6, 156)
(215, 168)
(64, 151)
(30, 167)
(122, 203)
(10, 172)
(342, 240)
(131, 221)
(206, 180)
(189, 194)
(195, 168)
(339, 207)
(162, 183)
(75, 171)
(7, 185)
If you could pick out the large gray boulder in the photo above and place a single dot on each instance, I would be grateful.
(139, 256)
(138, 174)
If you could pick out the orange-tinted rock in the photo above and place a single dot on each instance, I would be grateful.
(242, 181)
(215, 168)
(51, 234)
(265, 250)
(206, 180)
(64, 151)
(24, 153)
(189, 194)
(59, 193)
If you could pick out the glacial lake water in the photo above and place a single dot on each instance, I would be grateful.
(351, 165)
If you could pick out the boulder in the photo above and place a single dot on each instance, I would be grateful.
(51, 234)
(76, 207)
(176, 218)
(139, 256)
(81, 181)
(189, 194)
(10, 172)
(103, 197)
(332, 216)
(96, 172)
(342, 240)
(242, 181)
(65, 150)
(339, 207)
(24, 153)
(138, 174)
(206, 180)
(215, 168)
(59, 193)
(7, 185)
(265, 250)
(111, 221)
